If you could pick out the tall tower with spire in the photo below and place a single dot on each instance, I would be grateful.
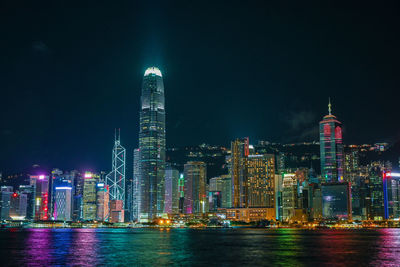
(331, 147)
(152, 146)
(116, 178)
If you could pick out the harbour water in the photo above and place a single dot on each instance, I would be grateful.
(199, 247)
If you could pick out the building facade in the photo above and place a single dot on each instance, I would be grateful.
(195, 173)
(42, 200)
(116, 178)
(89, 196)
(152, 146)
(239, 155)
(336, 201)
(103, 202)
(261, 181)
(63, 203)
(171, 201)
(331, 148)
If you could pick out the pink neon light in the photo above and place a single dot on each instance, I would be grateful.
(88, 175)
(41, 177)
(338, 132)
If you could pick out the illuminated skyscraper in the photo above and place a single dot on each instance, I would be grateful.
(29, 191)
(152, 146)
(41, 185)
(116, 178)
(103, 201)
(136, 185)
(63, 203)
(6, 193)
(331, 148)
(18, 205)
(77, 213)
(239, 157)
(223, 184)
(261, 181)
(195, 187)
(171, 204)
(89, 196)
(336, 201)
(289, 196)
(62, 195)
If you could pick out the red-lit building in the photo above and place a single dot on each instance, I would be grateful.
(117, 213)
(41, 185)
(331, 148)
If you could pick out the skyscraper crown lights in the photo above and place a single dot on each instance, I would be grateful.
(153, 70)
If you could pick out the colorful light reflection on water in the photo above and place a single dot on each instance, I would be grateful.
(286, 247)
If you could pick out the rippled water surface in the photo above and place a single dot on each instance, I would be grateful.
(209, 247)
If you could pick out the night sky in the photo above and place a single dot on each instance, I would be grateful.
(70, 74)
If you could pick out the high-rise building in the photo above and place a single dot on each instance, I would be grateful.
(116, 178)
(89, 196)
(55, 176)
(77, 214)
(5, 202)
(239, 157)
(336, 201)
(331, 148)
(289, 196)
(63, 203)
(136, 185)
(18, 205)
(222, 184)
(214, 200)
(375, 204)
(103, 200)
(116, 211)
(391, 195)
(195, 187)
(29, 191)
(152, 146)
(181, 192)
(41, 184)
(62, 195)
(171, 202)
(261, 181)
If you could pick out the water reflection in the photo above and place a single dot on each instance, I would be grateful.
(83, 249)
(388, 248)
(38, 247)
(344, 247)
(187, 247)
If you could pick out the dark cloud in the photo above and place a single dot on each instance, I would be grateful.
(299, 120)
(40, 46)
(310, 134)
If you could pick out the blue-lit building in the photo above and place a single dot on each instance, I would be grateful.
(152, 146)
(61, 195)
(63, 203)
(391, 193)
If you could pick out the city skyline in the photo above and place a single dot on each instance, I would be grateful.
(197, 133)
(67, 86)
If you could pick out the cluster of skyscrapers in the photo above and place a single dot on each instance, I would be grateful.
(256, 187)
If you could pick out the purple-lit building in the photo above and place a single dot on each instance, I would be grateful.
(331, 148)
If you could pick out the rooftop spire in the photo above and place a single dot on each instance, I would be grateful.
(330, 107)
